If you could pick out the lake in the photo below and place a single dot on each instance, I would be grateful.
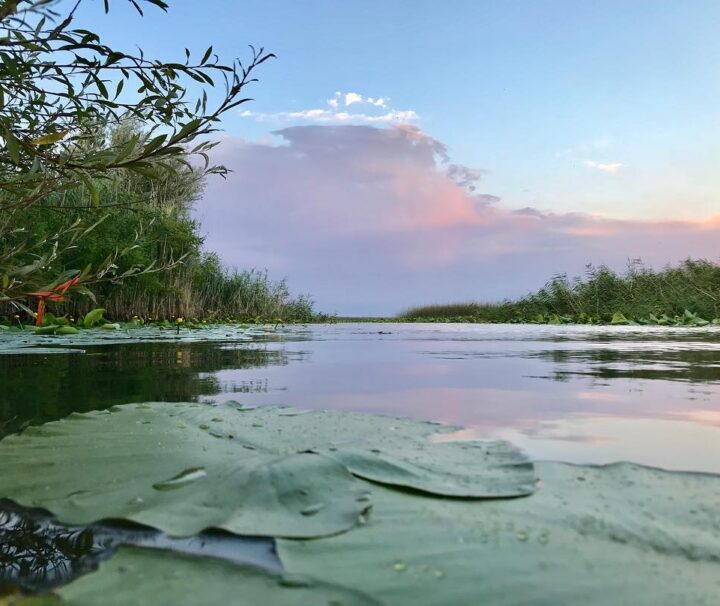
(584, 394)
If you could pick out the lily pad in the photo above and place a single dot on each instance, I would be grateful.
(455, 469)
(151, 577)
(620, 534)
(183, 468)
(396, 451)
(23, 341)
(178, 469)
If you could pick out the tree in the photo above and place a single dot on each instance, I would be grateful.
(59, 87)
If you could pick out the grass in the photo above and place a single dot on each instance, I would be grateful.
(685, 294)
(204, 290)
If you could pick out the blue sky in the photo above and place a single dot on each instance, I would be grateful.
(604, 108)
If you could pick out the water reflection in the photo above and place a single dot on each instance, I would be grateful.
(39, 387)
(37, 554)
(491, 379)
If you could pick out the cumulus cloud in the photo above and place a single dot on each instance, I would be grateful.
(377, 111)
(606, 167)
(370, 220)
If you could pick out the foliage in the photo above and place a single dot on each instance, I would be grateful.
(59, 84)
(684, 295)
(65, 98)
(147, 225)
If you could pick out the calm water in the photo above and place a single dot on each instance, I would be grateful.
(581, 394)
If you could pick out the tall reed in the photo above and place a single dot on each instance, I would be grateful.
(638, 292)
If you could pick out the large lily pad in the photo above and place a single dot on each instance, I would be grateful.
(621, 534)
(456, 469)
(150, 577)
(271, 471)
(396, 451)
(178, 468)
(14, 341)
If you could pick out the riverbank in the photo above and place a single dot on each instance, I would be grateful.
(687, 294)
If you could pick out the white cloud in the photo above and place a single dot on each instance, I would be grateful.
(377, 111)
(327, 116)
(606, 167)
(351, 98)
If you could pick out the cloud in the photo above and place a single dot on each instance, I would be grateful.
(328, 115)
(351, 98)
(606, 167)
(377, 112)
(371, 220)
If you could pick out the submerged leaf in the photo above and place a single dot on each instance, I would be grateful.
(456, 469)
(155, 465)
(620, 534)
(149, 576)
(396, 451)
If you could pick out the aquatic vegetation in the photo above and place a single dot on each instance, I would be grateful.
(684, 295)
(178, 468)
(182, 580)
(588, 535)
(582, 534)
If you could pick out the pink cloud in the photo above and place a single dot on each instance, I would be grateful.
(372, 219)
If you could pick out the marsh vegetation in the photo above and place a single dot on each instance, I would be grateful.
(687, 294)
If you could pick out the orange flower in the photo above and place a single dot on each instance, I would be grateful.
(56, 294)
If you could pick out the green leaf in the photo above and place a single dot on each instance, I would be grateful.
(51, 138)
(589, 535)
(181, 468)
(619, 318)
(399, 453)
(13, 147)
(457, 469)
(186, 130)
(67, 330)
(93, 317)
(144, 576)
(92, 190)
(154, 144)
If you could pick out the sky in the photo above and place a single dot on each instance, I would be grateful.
(412, 152)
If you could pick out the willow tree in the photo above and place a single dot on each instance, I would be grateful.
(59, 87)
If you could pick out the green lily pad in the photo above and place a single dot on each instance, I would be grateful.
(177, 468)
(454, 469)
(150, 577)
(23, 341)
(396, 451)
(620, 534)
(283, 472)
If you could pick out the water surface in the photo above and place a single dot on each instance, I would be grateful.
(569, 393)
(579, 394)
